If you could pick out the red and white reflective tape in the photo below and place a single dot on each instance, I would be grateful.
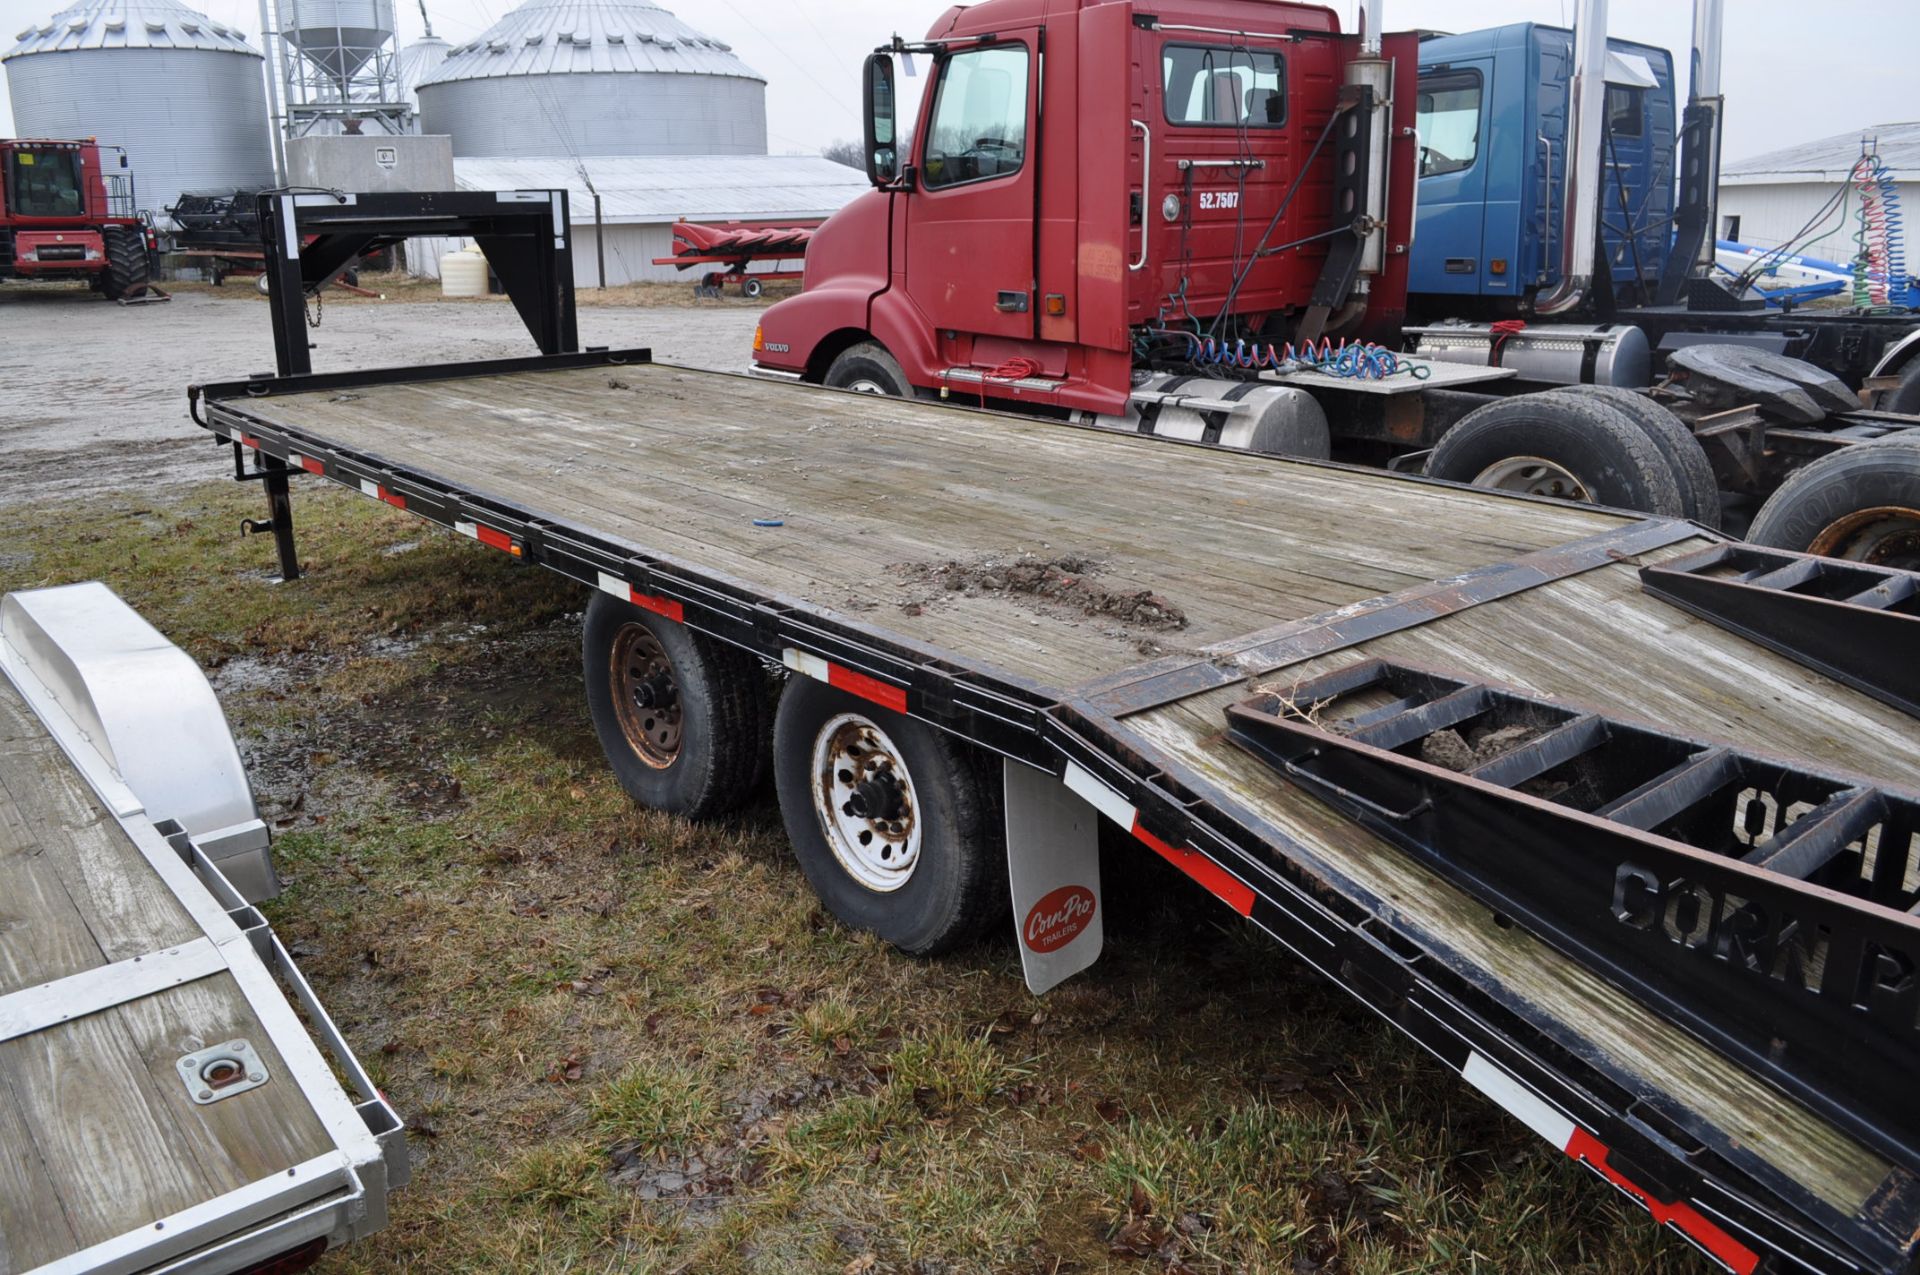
(645, 601)
(1216, 880)
(308, 463)
(1541, 1116)
(488, 536)
(379, 492)
(247, 440)
(868, 688)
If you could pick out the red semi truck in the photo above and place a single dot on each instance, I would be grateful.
(63, 216)
(1193, 219)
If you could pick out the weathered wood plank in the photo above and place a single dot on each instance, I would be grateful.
(241, 1139)
(125, 908)
(33, 1226)
(681, 462)
(114, 1154)
(42, 935)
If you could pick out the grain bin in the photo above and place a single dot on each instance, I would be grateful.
(595, 77)
(181, 92)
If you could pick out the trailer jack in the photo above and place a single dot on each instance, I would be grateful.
(272, 474)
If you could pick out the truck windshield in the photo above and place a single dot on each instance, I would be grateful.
(45, 183)
(1448, 121)
(979, 125)
(1219, 84)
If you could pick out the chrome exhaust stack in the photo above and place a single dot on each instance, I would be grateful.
(1704, 96)
(1579, 212)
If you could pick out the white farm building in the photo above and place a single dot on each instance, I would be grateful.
(1766, 200)
(622, 98)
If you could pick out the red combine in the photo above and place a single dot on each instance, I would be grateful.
(62, 216)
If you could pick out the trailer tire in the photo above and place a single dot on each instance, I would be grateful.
(1560, 445)
(946, 878)
(683, 719)
(1904, 397)
(751, 288)
(1692, 471)
(126, 272)
(1861, 503)
(867, 368)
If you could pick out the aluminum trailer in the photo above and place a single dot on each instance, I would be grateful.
(1669, 927)
(168, 1094)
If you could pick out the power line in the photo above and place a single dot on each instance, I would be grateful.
(797, 63)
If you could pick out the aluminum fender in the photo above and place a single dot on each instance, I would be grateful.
(145, 707)
(1895, 356)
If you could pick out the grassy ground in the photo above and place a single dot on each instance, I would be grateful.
(628, 1043)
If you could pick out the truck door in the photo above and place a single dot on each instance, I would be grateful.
(970, 224)
(1453, 253)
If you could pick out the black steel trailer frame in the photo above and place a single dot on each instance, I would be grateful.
(1742, 1211)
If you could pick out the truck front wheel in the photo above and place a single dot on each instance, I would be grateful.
(892, 821)
(1568, 446)
(683, 718)
(126, 272)
(867, 368)
(1861, 503)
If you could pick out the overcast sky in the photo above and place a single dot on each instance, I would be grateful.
(1794, 70)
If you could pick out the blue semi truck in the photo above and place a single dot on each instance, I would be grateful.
(1530, 213)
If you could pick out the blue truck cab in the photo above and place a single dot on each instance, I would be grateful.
(1492, 121)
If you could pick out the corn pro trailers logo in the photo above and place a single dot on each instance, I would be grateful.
(1058, 918)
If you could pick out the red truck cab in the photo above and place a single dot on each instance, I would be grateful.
(63, 216)
(1085, 177)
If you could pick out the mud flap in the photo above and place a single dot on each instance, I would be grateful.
(1053, 865)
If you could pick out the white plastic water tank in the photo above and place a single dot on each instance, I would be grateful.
(463, 274)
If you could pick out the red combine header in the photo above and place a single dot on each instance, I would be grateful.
(736, 245)
(62, 216)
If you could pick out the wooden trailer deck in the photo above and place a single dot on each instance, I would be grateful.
(904, 517)
(116, 961)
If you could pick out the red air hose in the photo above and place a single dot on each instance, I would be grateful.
(1501, 331)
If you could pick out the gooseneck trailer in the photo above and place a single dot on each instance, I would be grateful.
(1615, 818)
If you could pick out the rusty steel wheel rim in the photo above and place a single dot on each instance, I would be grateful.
(646, 696)
(1884, 536)
(866, 802)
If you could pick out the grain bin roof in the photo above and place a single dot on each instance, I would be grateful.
(1831, 158)
(657, 188)
(128, 24)
(572, 37)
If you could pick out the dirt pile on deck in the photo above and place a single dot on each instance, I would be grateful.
(1067, 579)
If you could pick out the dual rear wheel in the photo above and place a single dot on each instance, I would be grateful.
(1590, 443)
(894, 823)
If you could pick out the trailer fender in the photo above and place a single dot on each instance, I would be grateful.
(146, 709)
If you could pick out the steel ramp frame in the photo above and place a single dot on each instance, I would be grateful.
(1768, 909)
(1853, 621)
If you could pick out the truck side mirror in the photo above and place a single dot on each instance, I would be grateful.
(123, 159)
(883, 159)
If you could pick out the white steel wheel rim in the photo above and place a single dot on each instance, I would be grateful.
(1533, 476)
(867, 385)
(866, 803)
